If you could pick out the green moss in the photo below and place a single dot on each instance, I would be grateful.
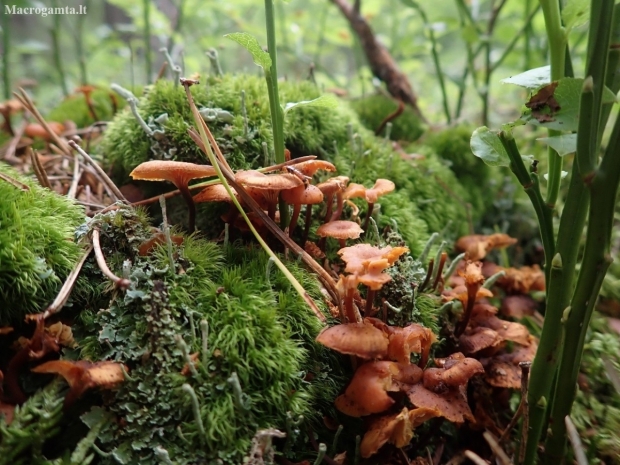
(428, 194)
(258, 328)
(373, 109)
(34, 423)
(37, 250)
(74, 108)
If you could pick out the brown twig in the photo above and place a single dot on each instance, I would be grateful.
(475, 458)
(439, 277)
(429, 273)
(525, 374)
(38, 169)
(77, 174)
(381, 62)
(496, 448)
(391, 117)
(28, 104)
(9, 154)
(99, 171)
(14, 182)
(121, 283)
(65, 290)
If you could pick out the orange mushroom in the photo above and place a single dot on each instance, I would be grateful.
(368, 391)
(269, 184)
(35, 130)
(301, 195)
(177, 172)
(412, 338)
(476, 246)
(341, 230)
(310, 167)
(361, 339)
(473, 282)
(331, 187)
(381, 187)
(396, 429)
(83, 375)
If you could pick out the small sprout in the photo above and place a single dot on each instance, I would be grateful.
(178, 173)
(215, 62)
(83, 375)
(196, 410)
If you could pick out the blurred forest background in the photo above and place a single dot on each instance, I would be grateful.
(454, 52)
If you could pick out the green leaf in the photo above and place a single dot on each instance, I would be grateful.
(562, 110)
(486, 145)
(324, 101)
(249, 42)
(575, 13)
(563, 145)
(531, 79)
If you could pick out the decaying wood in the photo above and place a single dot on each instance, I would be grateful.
(381, 62)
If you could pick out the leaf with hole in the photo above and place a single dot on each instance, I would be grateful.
(487, 146)
(556, 105)
(249, 42)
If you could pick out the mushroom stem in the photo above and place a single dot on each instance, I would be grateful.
(271, 211)
(343, 243)
(371, 207)
(472, 292)
(429, 273)
(307, 224)
(339, 205)
(329, 198)
(439, 277)
(294, 218)
(191, 207)
(349, 309)
(370, 297)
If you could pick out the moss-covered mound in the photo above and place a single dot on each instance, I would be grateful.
(259, 331)
(428, 194)
(37, 247)
(373, 110)
(103, 105)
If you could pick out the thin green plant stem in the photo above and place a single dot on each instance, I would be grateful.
(79, 45)
(528, 31)
(603, 185)
(520, 33)
(146, 15)
(321, 40)
(488, 68)
(277, 115)
(556, 37)
(223, 179)
(6, 56)
(56, 54)
(436, 61)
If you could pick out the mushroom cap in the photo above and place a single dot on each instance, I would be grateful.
(310, 167)
(214, 193)
(361, 339)
(177, 172)
(354, 190)
(477, 245)
(381, 187)
(334, 185)
(356, 255)
(373, 275)
(11, 106)
(37, 130)
(303, 195)
(274, 182)
(340, 229)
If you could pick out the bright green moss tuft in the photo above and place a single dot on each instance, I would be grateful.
(373, 109)
(258, 329)
(37, 248)
(428, 199)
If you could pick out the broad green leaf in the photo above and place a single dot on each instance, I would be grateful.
(562, 113)
(564, 144)
(325, 101)
(531, 79)
(249, 42)
(575, 13)
(486, 145)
